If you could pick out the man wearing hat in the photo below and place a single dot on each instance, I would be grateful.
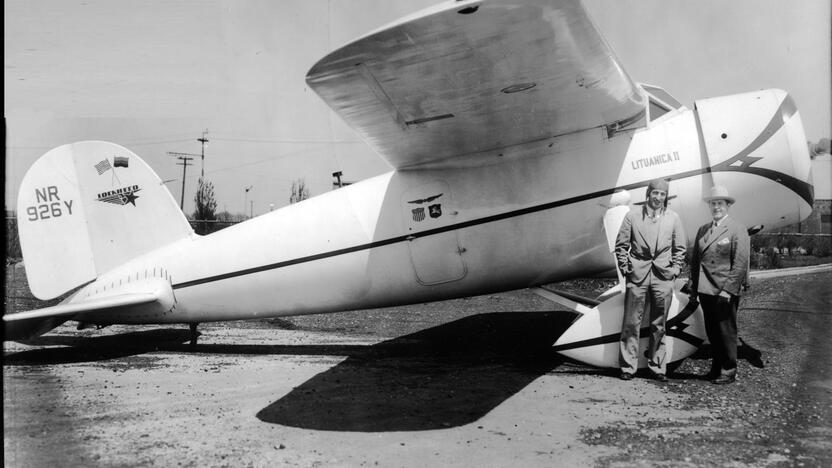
(718, 270)
(650, 251)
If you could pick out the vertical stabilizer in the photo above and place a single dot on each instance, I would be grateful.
(87, 207)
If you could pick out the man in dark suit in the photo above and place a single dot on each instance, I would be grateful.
(719, 268)
(650, 250)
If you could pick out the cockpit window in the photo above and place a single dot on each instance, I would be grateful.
(659, 102)
(662, 95)
(657, 110)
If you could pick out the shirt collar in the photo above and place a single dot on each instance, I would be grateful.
(718, 223)
(651, 213)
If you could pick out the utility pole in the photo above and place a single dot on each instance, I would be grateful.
(184, 157)
(203, 140)
(251, 213)
(246, 199)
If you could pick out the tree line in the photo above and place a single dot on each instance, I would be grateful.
(205, 219)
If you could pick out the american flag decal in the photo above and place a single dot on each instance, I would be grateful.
(418, 214)
(120, 161)
(103, 167)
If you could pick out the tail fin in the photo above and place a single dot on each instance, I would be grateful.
(86, 207)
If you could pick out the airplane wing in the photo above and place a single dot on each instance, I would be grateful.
(476, 76)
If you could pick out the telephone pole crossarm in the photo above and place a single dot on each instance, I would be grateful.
(203, 140)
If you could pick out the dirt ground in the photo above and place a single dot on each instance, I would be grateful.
(469, 382)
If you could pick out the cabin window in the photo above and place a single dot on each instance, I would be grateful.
(657, 110)
(663, 96)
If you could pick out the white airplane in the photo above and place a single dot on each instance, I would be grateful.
(517, 141)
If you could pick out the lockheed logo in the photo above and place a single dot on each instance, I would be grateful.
(120, 196)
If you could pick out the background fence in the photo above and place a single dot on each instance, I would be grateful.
(13, 253)
(769, 249)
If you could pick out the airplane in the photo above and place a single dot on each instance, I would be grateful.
(517, 142)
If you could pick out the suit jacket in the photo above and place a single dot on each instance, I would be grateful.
(720, 262)
(638, 254)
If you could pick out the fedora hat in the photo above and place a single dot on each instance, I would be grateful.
(719, 192)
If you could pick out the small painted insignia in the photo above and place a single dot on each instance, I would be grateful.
(420, 201)
(121, 161)
(103, 166)
(435, 210)
(418, 214)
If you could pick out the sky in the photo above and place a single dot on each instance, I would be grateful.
(154, 75)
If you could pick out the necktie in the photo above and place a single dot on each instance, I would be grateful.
(710, 232)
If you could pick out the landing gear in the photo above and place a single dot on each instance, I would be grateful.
(194, 333)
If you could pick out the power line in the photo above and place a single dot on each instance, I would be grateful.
(305, 142)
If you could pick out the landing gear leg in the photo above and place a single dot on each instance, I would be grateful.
(194, 334)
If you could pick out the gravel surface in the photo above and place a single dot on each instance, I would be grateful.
(468, 382)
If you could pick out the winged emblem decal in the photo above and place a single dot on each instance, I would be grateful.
(425, 200)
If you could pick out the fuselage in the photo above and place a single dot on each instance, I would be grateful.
(499, 220)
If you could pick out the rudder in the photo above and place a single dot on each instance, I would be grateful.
(86, 207)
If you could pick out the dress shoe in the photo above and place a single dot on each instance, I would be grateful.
(625, 376)
(714, 373)
(724, 379)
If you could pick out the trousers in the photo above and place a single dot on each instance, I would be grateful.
(653, 295)
(721, 327)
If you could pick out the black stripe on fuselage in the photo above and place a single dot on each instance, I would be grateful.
(778, 177)
(800, 187)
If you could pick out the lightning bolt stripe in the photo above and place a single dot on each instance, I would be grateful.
(786, 110)
(675, 327)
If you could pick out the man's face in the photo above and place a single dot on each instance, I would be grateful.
(719, 209)
(656, 199)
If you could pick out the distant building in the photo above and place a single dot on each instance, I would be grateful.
(815, 232)
(820, 220)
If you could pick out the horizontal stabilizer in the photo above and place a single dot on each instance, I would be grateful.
(145, 297)
(86, 306)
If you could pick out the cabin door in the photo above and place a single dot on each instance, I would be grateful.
(435, 254)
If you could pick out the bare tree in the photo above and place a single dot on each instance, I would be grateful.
(299, 191)
(205, 205)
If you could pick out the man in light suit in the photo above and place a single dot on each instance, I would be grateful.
(650, 250)
(719, 268)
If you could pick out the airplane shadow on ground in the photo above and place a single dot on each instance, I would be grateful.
(78, 349)
(445, 376)
(75, 349)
